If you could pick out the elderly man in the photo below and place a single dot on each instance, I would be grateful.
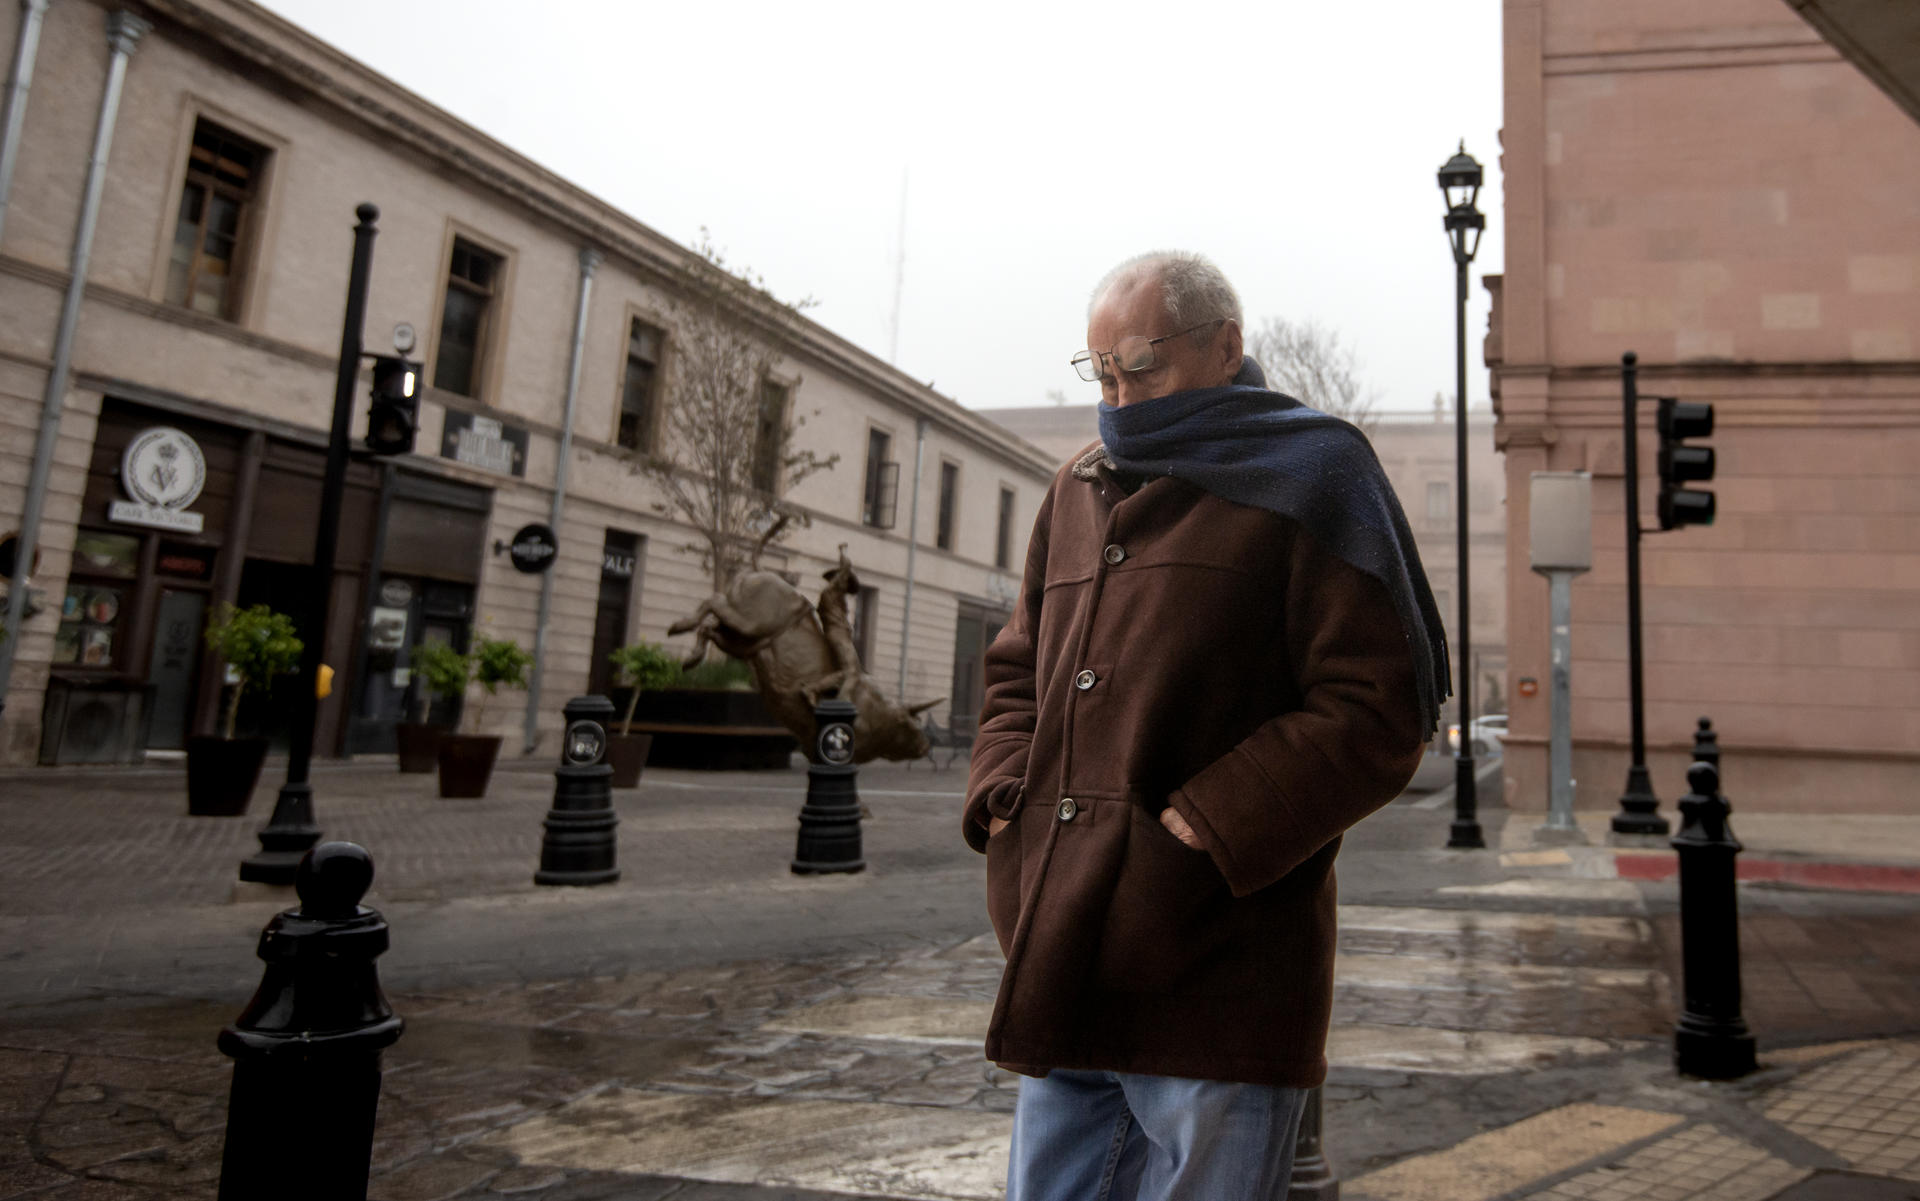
(1224, 654)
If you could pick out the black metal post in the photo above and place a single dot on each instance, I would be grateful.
(578, 845)
(1706, 744)
(291, 830)
(829, 839)
(1313, 1175)
(1638, 804)
(1711, 1039)
(306, 1050)
(1465, 833)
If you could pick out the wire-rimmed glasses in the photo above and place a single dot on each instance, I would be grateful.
(1129, 354)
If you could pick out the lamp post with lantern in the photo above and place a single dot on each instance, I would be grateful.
(1460, 184)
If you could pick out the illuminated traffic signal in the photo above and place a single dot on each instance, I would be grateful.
(395, 416)
(1681, 464)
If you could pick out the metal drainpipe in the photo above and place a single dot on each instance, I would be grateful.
(589, 259)
(913, 542)
(32, 14)
(124, 31)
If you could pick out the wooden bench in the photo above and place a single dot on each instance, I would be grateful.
(956, 736)
(717, 746)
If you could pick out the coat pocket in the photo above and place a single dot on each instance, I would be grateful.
(1003, 879)
(1168, 915)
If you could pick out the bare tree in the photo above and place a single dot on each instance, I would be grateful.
(727, 452)
(1309, 363)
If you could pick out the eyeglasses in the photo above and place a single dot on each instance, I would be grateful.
(1131, 354)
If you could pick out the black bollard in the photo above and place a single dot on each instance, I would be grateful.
(306, 1050)
(1313, 1177)
(578, 845)
(1711, 1039)
(830, 820)
(1706, 744)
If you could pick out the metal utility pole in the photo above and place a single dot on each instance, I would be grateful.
(1638, 805)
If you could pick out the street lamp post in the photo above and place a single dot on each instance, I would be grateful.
(290, 832)
(1460, 184)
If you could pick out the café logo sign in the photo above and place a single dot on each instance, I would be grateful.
(162, 472)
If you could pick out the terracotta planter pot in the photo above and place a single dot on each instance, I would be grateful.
(221, 774)
(466, 763)
(419, 745)
(627, 754)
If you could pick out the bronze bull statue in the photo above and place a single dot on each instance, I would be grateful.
(801, 651)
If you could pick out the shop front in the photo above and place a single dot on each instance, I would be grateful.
(183, 514)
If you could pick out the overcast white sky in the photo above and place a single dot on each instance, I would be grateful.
(1293, 141)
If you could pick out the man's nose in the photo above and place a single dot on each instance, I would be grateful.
(1129, 389)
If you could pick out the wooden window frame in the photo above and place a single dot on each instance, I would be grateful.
(650, 446)
(1003, 528)
(874, 483)
(487, 356)
(946, 509)
(253, 243)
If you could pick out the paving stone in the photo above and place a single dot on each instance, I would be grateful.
(526, 1180)
(1700, 1163)
(439, 1177)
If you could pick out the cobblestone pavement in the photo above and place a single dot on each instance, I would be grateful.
(712, 1028)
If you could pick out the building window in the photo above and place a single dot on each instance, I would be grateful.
(949, 501)
(769, 436)
(472, 279)
(638, 392)
(1439, 503)
(620, 559)
(100, 591)
(882, 494)
(866, 615)
(211, 229)
(1003, 535)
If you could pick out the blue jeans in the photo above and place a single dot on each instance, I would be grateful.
(1110, 1136)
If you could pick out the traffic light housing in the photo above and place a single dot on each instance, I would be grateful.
(394, 418)
(1681, 464)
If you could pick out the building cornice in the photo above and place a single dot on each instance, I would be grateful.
(398, 116)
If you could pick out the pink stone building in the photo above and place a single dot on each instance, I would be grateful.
(1713, 186)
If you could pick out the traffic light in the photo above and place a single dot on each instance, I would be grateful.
(395, 416)
(1681, 464)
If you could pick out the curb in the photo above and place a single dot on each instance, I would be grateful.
(1806, 873)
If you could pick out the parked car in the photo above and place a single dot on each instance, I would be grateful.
(1489, 734)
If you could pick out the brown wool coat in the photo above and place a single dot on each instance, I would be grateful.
(1242, 675)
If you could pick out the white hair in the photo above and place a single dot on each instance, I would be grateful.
(1192, 289)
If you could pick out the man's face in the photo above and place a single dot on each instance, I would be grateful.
(1178, 364)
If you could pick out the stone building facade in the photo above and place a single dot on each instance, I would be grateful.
(212, 307)
(1713, 187)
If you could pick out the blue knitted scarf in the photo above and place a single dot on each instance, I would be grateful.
(1254, 447)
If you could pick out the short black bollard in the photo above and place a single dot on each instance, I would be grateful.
(1313, 1176)
(1706, 744)
(830, 820)
(306, 1050)
(1711, 1039)
(578, 846)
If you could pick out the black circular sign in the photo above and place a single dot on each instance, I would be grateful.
(586, 743)
(534, 548)
(836, 743)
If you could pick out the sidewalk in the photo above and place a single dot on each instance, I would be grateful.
(712, 1028)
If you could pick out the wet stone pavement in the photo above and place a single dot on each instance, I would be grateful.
(1501, 1026)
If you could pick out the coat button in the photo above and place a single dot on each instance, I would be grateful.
(1068, 808)
(1085, 680)
(1115, 552)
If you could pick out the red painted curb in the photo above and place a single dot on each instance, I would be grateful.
(1809, 873)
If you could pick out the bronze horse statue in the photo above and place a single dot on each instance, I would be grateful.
(801, 651)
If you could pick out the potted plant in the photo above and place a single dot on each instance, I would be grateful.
(640, 667)
(466, 760)
(439, 671)
(258, 645)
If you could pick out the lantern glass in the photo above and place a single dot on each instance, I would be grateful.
(1460, 179)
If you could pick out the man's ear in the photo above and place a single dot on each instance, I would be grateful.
(1228, 349)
